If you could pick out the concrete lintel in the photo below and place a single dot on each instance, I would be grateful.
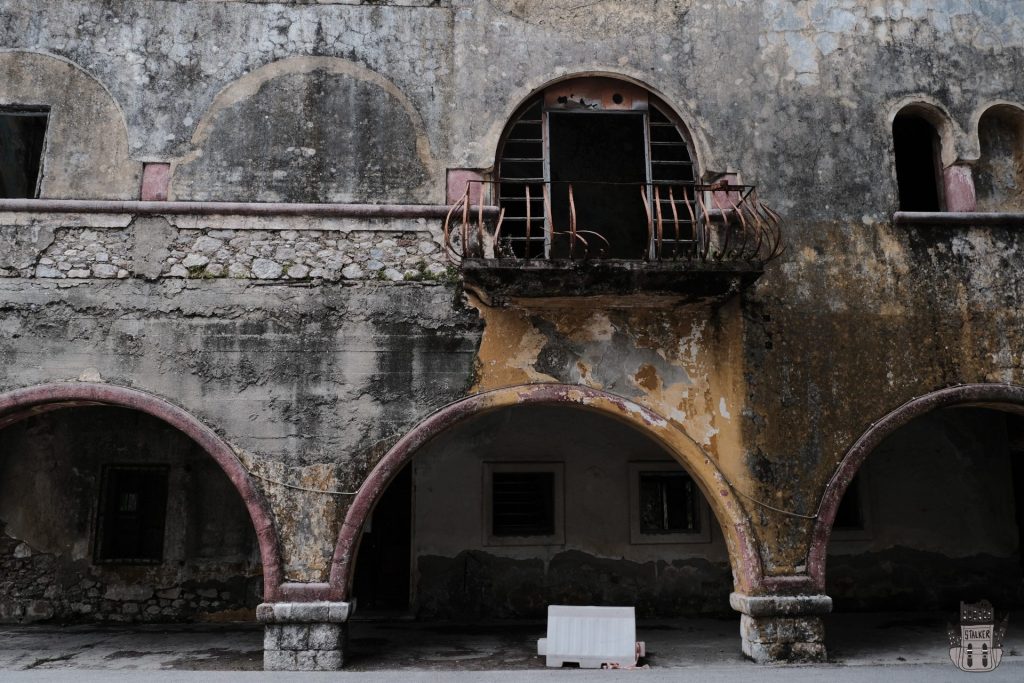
(780, 605)
(320, 612)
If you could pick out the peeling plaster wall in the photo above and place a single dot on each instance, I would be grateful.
(50, 480)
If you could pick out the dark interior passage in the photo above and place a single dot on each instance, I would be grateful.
(934, 518)
(22, 134)
(109, 514)
(529, 506)
(918, 166)
(604, 157)
(383, 567)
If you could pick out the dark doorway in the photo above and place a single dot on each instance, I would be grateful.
(917, 149)
(382, 569)
(21, 150)
(604, 156)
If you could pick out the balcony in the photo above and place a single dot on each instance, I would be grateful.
(551, 239)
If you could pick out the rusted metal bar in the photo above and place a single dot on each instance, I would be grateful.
(698, 226)
(497, 231)
(465, 224)
(703, 210)
(572, 223)
(749, 230)
(661, 229)
(451, 252)
(650, 216)
(675, 221)
(438, 211)
(480, 224)
(963, 219)
(549, 223)
(529, 225)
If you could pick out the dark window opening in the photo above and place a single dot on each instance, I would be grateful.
(918, 166)
(523, 503)
(850, 515)
(669, 503)
(615, 160)
(132, 514)
(603, 157)
(22, 134)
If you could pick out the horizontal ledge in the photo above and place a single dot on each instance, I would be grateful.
(438, 211)
(962, 219)
(780, 605)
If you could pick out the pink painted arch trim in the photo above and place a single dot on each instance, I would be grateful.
(732, 517)
(24, 403)
(1005, 397)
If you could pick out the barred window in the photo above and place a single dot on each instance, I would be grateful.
(132, 514)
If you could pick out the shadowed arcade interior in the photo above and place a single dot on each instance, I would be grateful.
(110, 515)
(933, 517)
(528, 506)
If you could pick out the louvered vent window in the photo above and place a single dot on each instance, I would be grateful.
(523, 503)
(601, 154)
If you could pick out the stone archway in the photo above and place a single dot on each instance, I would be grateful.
(1003, 397)
(25, 403)
(729, 513)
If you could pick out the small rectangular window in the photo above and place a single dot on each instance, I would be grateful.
(132, 514)
(669, 503)
(523, 503)
(666, 505)
(22, 134)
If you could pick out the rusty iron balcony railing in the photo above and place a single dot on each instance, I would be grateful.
(541, 220)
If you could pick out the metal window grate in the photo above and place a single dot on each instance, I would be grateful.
(669, 503)
(523, 503)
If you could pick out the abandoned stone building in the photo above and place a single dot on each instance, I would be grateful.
(460, 308)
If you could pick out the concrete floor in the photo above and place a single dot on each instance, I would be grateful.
(890, 640)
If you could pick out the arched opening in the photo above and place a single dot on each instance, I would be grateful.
(117, 507)
(599, 153)
(932, 517)
(999, 173)
(554, 498)
(918, 150)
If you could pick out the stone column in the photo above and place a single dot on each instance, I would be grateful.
(782, 628)
(304, 636)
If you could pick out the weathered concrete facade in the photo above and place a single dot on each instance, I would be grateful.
(314, 351)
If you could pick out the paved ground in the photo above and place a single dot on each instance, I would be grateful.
(898, 647)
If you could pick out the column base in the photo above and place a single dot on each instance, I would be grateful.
(782, 628)
(304, 636)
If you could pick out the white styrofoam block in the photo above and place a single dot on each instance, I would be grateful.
(590, 636)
